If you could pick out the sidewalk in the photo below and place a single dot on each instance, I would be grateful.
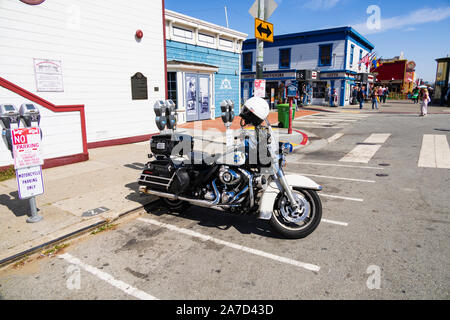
(107, 182)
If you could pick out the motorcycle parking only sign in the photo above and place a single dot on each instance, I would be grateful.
(30, 182)
(27, 147)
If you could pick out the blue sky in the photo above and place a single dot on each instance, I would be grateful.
(421, 29)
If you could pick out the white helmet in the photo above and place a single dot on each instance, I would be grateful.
(255, 110)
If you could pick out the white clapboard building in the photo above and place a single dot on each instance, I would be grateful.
(93, 68)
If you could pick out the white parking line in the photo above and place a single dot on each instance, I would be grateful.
(336, 178)
(345, 224)
(339, 197)
(108, 278)
(260, 253)
(337, 165)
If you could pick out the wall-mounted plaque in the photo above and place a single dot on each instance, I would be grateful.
(139, 90)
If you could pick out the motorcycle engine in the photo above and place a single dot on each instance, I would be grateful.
(229, 177)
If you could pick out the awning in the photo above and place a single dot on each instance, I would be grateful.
(178, 65)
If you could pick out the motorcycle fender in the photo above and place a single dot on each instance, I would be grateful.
(270, 194)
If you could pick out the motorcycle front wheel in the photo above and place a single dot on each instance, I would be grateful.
(301, 229)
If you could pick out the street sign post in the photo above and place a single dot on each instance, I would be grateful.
(26, 145)
(291, 94)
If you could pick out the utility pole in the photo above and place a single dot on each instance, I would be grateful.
(226, 15)
(260, 44)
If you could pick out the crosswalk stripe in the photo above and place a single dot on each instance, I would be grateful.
(364, 153)
(442, 152)
(435, 152)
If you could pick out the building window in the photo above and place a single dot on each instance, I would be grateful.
(352, 52)
(206, 38)
(325, 52)
(182, 33)
(226, 43)
(247, 61)
(172, 86)
(360, 55)
(285, 58)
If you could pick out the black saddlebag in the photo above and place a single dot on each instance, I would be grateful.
(164, 176)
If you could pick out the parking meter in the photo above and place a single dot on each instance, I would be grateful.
(231, 110)
(160, 111)
(10, 119)
(170, 113)
(31, 117)
(227, 112)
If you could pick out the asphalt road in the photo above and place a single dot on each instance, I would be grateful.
(385, 233)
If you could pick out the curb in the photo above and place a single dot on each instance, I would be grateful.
(71, 233)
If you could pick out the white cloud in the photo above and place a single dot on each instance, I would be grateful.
(414, 18)
(320, 4)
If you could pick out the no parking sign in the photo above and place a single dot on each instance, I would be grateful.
(27, 161)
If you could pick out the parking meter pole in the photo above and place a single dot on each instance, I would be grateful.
(34, 216)
(290, 116)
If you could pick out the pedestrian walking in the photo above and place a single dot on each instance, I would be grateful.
(424, 100)
(374, 97)
(385, 94)
(360, 96)
(415, 95)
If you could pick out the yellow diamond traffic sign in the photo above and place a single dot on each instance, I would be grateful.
(263, 30)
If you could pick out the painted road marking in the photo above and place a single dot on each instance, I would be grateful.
(260, 253)
(335, 137)
(337, 165)
(435, 152)
(378, 138)
(128, 289)
(336, 178)
(364, 153)
(345, 224)
(319, 127)
(339, 197)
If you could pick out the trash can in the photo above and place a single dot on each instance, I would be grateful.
(283, 115)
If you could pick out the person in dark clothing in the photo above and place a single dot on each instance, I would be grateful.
(360, 96)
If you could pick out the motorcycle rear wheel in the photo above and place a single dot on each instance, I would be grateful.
(302, 229)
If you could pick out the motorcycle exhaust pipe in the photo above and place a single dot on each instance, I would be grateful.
(195, 202)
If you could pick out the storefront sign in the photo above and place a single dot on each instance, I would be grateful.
(30, 182)
(278, 75)
(260, 88)
(48, 75)
(27, 147)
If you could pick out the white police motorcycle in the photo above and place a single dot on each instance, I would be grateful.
(247, 179)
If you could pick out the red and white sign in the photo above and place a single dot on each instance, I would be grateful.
(27, 147)
(260, 88)
(314, 75)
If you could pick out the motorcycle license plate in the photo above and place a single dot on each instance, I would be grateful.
(160, 146)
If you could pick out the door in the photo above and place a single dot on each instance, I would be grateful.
(198, 104)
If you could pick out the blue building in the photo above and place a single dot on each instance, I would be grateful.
(331, 56)
(203, 65)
